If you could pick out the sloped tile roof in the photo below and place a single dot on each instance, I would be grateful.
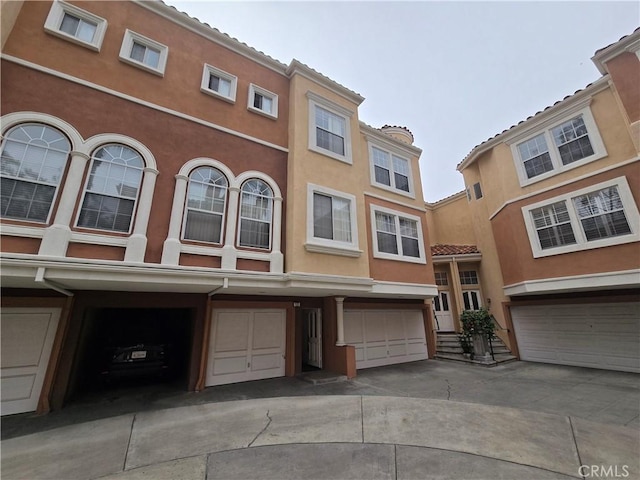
(453, 249)
(626, 36)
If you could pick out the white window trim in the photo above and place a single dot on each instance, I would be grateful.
(630, 211)
(253, 89)
(54, 22)
(390, 256)
(127, 45)
(318, 101)
(324, 245)
(558, 167)
(207, 71)
(392, 187)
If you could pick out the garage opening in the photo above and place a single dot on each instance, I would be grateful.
(125, 348)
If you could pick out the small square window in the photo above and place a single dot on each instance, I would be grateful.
(441, 279)
(218, 83)
(76, 25)
(262, 101)
(144, 53)
(468, 277)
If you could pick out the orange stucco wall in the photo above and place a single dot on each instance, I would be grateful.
(516, 257)
(625, 73)
(179, 89)
(173, 141)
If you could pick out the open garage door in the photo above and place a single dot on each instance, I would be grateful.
(246, 344)
(586, 335)
(385, 337)
(27, 340)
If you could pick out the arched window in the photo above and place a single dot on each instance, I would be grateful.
(256, 213)
(206, 202)
(112, 188)
(33, 160)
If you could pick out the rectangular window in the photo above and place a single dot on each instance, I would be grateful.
(468, 277)
(557, 146)
(477, 190)
(398, 236)
(76, 25)
(441, 279)
(601, 215)
(471, 299)
(218, 83)
(329, 131)
(331, 224)
(144, 53)
(390, 171)
(262, 101)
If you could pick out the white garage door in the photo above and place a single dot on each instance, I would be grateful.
(587, 335)
(384, 337)
(246, 345)
(27, 338)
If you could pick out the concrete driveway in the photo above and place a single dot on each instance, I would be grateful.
(430, 419)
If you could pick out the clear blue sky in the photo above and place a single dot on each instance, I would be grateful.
(454, 73)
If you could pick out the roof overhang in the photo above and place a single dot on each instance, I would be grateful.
(466, 257)
(630, 43)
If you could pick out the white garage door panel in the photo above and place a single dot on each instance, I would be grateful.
(27, 339)
(590, 335)
(246, 345)
(384, 337)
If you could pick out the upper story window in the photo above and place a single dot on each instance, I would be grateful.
(218, 83)
(398, 236)
(441, 279)
(557, 147)
(329, 131)
(477, 190)
(144, 53)
(256, 214)
(601, 215)
(112, 189)
(468, 277)
(390, 171)
(263, 101)
(206, 203)
(76, 25)
(331, 226)
(33, 160)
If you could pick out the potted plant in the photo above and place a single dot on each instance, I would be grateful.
(466, 342)
(479, 326)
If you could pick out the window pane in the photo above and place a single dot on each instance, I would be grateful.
(69, 24)
(436, 304)
(86, 31)
(465, 298)
(204, 227)
(254, 234)
(445, 301)
(602, 214)
(402, 182)
(322, 216)
(152, 57)
(330, 131)
(387, 243)
(410, 247)
(341, 219)
(137, 52)
(553, 225)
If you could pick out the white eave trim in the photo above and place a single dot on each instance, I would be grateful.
(631, 43)
(468, 257)
(594, 281)
(377, 136)
(405, 290)
(299, 68)
(554, 111)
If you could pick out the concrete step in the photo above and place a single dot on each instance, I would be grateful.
(456, 350)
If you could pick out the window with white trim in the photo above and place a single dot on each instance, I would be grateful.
(390, 171)
(600, 215)
(471, 299)
(329, 130)
(468, 277)
(112, 189)
(32, 163)
(76, 25)
(557, 147)
(144, 52)
(441, 279)
(218, 83)
(262, 101)
(256, 214)
(206, 204)
(398, 236)
(331, 224)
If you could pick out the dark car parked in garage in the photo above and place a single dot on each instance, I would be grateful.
(140, 360)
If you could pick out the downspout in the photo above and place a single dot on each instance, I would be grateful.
(204, 355)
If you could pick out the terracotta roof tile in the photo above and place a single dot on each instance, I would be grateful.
(453, 249)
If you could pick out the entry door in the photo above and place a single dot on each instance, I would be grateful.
(314, 337)
(442, 312)
(246, 345)
(27, 340)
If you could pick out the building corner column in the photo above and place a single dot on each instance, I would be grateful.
(340, 321)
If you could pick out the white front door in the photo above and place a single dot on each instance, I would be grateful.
(27, 340)
(314, 337)
(385, 337)
(444, 319)
(246, 344)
